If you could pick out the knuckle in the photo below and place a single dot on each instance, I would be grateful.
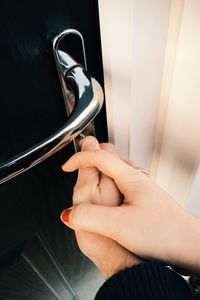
(112, 221)
(80, 161)
(79, 216)
(112, 150)
(131, 163)
(77, 196)
(108, 147)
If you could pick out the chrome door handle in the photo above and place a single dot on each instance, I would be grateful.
(88, 102)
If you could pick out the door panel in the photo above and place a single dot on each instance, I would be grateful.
(31, 108)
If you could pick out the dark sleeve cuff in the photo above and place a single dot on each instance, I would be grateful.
(151, 281)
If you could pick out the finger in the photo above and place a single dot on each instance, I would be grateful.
(134, 164)
(92, 218)
(110, 148)
(106, 163)
(131, 163)
(107, 183)
(87, 177)
(113, 150)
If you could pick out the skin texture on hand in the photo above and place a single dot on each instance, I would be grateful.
(96, 188)
(149, 222)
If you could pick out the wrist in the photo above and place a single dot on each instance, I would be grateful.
(127, 260)
(187, 252)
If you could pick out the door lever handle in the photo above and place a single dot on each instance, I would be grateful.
(88, 102)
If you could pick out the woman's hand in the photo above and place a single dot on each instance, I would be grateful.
(149, 222)
(96, 188)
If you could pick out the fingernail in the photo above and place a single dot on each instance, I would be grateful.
(65, 215)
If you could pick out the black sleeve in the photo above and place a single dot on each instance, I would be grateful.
(151, 281)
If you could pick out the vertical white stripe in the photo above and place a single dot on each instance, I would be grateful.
(181, 139)
(151, 21)
(116, 19)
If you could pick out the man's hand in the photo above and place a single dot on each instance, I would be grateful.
(96, 188)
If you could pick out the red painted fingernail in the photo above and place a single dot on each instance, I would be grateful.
(65, 215)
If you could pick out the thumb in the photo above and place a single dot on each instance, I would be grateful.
(93, 218)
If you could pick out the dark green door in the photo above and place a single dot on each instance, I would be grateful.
(39, 257)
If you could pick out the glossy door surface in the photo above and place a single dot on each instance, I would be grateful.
(39, 257)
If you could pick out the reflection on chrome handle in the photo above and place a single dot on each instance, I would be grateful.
(89, 100)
